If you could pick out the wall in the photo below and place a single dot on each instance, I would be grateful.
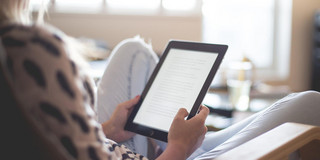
(301, 44)
(115, 28)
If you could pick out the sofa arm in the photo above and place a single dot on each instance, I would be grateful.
(279, 143)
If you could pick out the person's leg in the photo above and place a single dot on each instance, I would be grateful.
(128, 70)
(213, 139)
(301, 107)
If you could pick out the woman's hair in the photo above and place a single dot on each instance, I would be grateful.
(19, 11)
(15, 11)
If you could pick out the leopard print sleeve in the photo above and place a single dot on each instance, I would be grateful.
(53, 92)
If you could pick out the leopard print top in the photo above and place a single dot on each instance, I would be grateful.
(55, 93)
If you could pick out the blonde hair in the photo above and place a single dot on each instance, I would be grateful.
(19, 11)
(15, 11)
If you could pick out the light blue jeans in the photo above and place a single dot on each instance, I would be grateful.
(132, 62)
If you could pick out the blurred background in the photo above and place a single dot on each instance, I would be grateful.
(277, 36)
(279, 39)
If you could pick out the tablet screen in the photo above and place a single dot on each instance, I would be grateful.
(177, 85)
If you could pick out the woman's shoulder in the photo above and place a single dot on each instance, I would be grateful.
(32, 29)
(18, 35)
(42, 49)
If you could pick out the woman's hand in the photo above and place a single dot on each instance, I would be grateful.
(185, 136)
(114, 127)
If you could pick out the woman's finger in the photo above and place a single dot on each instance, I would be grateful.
(182, 113)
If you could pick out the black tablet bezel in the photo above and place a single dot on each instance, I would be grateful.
(185, 45)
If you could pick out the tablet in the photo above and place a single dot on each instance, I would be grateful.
(180, 80)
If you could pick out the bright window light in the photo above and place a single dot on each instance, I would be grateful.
(78, 5)
(36, 4)
(134, 4)
(179, 5)
(247, 26)
(78, 2)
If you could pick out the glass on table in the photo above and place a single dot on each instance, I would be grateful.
(239, 81)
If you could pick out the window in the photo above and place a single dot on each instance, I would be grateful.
(122, 6)
(246, 26)
(188, 5)
(134, 4)
(132, 7)
(75, 6)
(259, 30)
(36, 4)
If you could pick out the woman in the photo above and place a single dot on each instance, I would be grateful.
(41, 65)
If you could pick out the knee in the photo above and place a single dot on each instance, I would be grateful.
(309, 95)
(131, 46)
(307, 100)
(300, 99)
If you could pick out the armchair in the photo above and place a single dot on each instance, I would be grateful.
(279, 143)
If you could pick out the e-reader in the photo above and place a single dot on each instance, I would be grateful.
(181, 79)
